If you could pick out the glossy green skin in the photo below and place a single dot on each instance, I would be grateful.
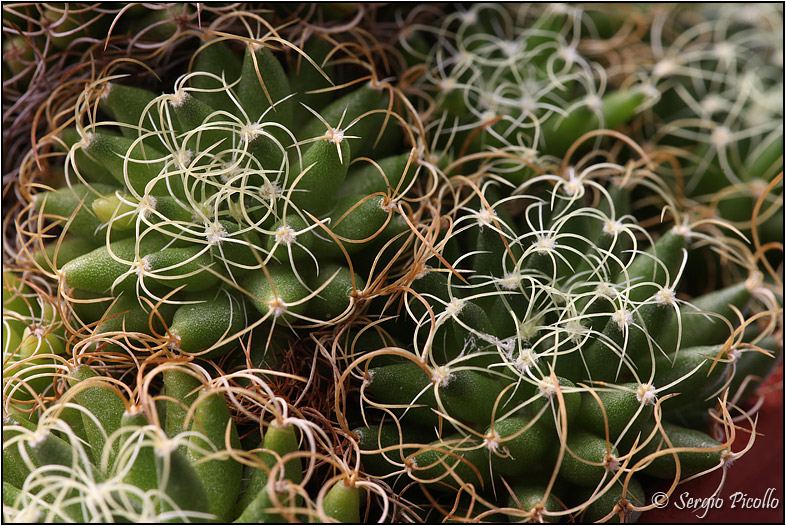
(522, 451)
(445, 467)
(616, 108)
(142, 472)
(86, 168)
(356, 221)
(342, 503)
(220, 477)
(405, 384)
(128, 315)
(217, 58)
(179, 479)
(64, 201)
(253, 94)
(600, 508)
(106, 406)
(620, 407)
(183, 388)
(126, 104)
(283, 285)
(551, 416)
(334, 299)
(261, 509)
(588, 448)
(372, 438)
(192, 113)
(97, 270)
(671, 369)
(191, 268)
(29, 366)
(350, 106)
(278, 441)
(365, 178)
(527, 498)
(200, 326)
(664, 466)
(54, 256)
(111, 152)
(324, 178)
(700, 330)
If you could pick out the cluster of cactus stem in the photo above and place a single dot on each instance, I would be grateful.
(325, 279)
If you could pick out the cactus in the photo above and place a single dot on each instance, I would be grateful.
(218, 213)
(144, 475)
(319, 277)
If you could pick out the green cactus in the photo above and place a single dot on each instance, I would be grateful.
(502, 262)
(234, 201)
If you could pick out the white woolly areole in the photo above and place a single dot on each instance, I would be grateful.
(545, 244)
(611, 463)
(277, 307)
(758, 187)
(183, 158)
(179, 98)
(713, 103)
(682, 230)
(441, 376)
(734, 354)
(85, 141)
(526, 360)
(606, 289)
(547, 388)
(665, 296)
(613, 228)
(270, 190)
(389, 206)
(575, 330)
(469, 18)
(107, 88)
(146, 206)
(491, 441)
(593, 101)
(623, 318)
(527, 104)
(285, 235)
(251, 131)
(721, 137)
(422, 274)
(727, 458)
(574, 185)
(511, 48)
(454, 307)
(448, 84)
(510, 280)
(725, 51)
(486, 217)
(488, 115)
(164, 446)
(334, 136)
(649, 90)
(174, 342)
(646, 394)
(215, 233)
(39, 436)
(664, 68)
(143, 267)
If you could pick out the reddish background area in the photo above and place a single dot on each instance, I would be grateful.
(754, 474)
